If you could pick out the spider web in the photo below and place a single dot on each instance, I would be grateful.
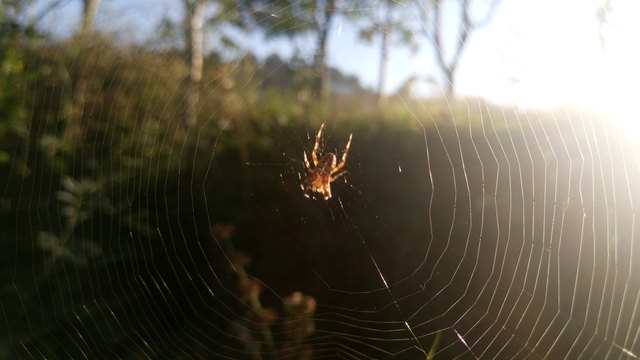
(466, 230)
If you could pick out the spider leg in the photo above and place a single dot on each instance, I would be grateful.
(344, 156)
(306, 161)
(336, 176)
(327, 191)
(316, 146)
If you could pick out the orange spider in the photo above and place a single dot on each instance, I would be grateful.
(320, 178)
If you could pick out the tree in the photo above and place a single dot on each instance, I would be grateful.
(432, 13)
(384, 51)
(294, 18)
(193, 23)
(322, 24)
(388, 21)
(89, 10)
(74, 125)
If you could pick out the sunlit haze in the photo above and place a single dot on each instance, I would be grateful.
(535, 53)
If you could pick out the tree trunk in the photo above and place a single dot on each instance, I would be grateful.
(465, 27)
(450, 78)
(74, 127)
(384, 54)
(194, 54)
(321, 76)
(88, 16)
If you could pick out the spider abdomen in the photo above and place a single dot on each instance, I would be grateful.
(325, 171)
(326, 164)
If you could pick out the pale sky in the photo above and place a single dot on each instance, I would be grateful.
(534, 52)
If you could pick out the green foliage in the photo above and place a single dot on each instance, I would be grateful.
(12, 114)
(434, 346)
(80, 199)
(57, 248)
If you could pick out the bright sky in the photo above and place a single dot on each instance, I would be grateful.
(537, 53)
(534, 53)
(554, 51)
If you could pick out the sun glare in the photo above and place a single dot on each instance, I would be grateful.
(621, 73)
(597, 72)
(573, 60)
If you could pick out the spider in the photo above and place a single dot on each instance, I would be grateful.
(320, 178)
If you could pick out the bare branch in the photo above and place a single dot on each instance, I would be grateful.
(466, 26)
(488, 18)
(436, 36)
(465, 29)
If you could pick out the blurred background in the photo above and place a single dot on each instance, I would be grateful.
(152, 154)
